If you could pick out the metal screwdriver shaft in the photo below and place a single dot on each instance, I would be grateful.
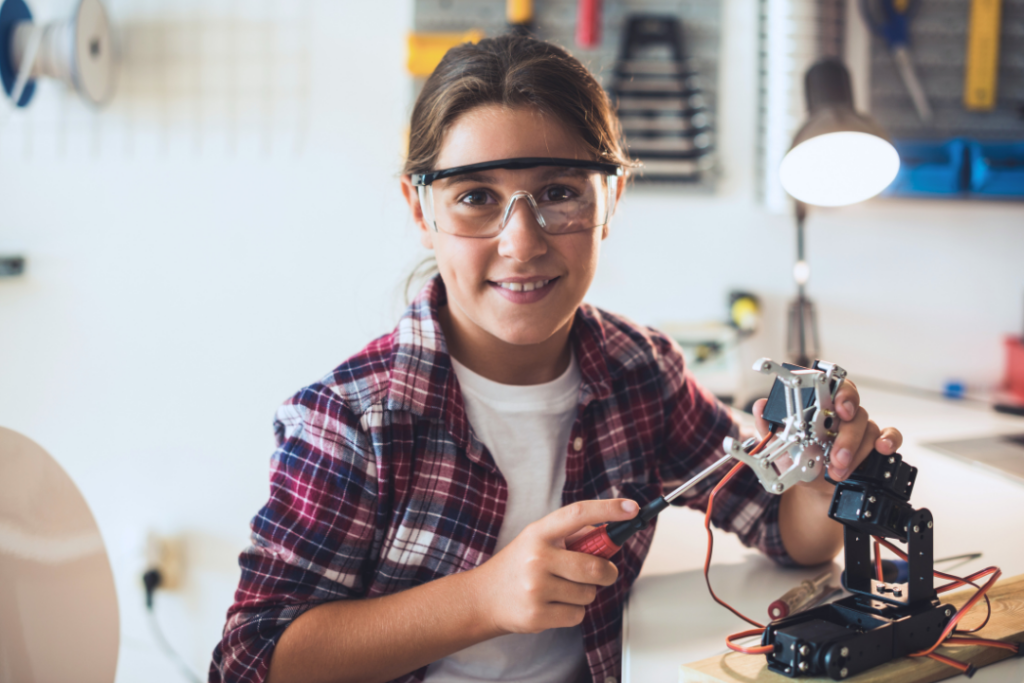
(604, 541)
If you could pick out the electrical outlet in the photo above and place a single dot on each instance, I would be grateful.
(166, 555)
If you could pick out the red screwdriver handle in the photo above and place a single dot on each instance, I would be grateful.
(597, 543)
(588, 23)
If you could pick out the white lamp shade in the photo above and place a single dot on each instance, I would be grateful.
(836, 169)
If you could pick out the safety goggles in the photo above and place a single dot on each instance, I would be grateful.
(565, 195)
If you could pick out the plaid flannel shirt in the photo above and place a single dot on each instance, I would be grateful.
(379, 484)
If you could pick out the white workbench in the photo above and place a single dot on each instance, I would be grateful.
(670, 619)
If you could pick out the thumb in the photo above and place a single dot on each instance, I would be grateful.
(760, 423)
(571, 518)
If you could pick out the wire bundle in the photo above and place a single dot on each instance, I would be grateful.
(946, 638)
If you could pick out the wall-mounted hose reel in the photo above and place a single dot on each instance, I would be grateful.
(78, 51)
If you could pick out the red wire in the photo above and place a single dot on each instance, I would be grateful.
(707, 560)
(953, 640)
(878, 562)
(756, 650)
(964, 668)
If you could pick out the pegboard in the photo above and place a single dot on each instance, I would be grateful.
(555, 21)
(938, 44)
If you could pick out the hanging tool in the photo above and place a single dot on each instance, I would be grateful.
(982, 60)
(605, 540)
(660, 103)
(890, 19)
(588, 23)
(427, 49)
(519, 15)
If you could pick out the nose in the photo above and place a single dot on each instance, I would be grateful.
(522, 238)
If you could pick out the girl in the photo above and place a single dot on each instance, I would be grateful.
(423, 493)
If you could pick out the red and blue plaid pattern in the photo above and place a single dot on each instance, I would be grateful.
(379, 484)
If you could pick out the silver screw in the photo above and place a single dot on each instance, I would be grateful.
(845, 652)
(867, 514)
(804, 650)
(887, 475)
(793, 647)
(930, 525)
(802, 666)
(844, 672)
(892, 460)
(917, 529)
(949, 612)
(810, 464)
(871, 499)
(778, 488)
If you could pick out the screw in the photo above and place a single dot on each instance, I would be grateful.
(845, 652)
(887, 475)
(892, 460)
(778, 488)
(793, 647)
(844, 672)
(930, 525)
(871, 499)
(804, 650)
(867, 514)
(917, 529)
(810, 464)
(949, 612)
(802, 666)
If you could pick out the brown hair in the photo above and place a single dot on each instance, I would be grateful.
(512, 70)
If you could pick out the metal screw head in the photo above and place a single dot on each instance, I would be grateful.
(949, 612)
(867, 514)
(845, 652)
(802, 666)
(804, 650)
(810, 464)
(887, 475)
(917, 529)
(930, 525)
(844, 672)
(892, 460)
(792, 646)
(871, 499)
(778, 488)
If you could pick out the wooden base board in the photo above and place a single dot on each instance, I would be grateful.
(1007, 624)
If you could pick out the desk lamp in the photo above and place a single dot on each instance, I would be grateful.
(838, 157)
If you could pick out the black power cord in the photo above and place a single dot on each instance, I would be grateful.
(152, 580)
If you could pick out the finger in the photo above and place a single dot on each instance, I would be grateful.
(568, 520)
(889, 441)
(583, 568)
(562, 616)
(847, 401)
(569, 592)
(760, 423)
(847, 445)
(867, 444)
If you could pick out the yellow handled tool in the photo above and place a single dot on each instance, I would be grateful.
(519, 12)
(427, 49)
(982, 55)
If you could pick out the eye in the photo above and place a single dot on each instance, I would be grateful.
(558, 193)
(476, 198)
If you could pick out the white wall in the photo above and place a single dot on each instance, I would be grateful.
(218, 238)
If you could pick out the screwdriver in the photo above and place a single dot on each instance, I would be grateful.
(605, 540)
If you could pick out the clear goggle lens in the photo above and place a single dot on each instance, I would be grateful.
(568, 201)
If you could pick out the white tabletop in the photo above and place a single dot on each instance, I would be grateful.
(670, 619)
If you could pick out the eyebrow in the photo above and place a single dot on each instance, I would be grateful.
(472, 177)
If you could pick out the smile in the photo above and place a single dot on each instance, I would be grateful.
(523, 286)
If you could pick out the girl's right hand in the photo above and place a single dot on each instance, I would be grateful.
(534, 583)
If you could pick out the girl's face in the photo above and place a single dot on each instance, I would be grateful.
(481, 275)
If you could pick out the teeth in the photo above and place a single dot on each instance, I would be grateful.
(523, 286)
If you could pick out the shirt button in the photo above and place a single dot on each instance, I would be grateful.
(577, 444)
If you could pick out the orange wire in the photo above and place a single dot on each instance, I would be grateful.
(960, 613)
(756, 650)
(954, 640)
(964, 668)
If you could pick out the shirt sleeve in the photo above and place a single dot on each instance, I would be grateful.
(696, 423)
(312, 540)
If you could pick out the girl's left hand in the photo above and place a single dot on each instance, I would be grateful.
(858, 436)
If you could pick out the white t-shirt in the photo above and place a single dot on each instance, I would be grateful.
(526, 429)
